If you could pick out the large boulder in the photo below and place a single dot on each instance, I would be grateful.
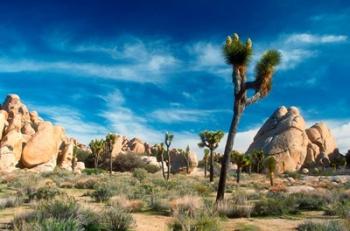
(65, 158)
(13, 140)
(3, 121)
(138, 146)
(321, 138)
(285, 136)
(7, 159)
(179, 162)
(43, 146)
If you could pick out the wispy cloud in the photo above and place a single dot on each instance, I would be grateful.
(178, 115)
(315, 39)
(72, 121)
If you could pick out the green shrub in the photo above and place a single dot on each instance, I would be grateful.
(151, 168)
(140, 174)
(235, 207)
(53, 224)
(11, 202)
(329, 226)
(268, 207)
(93, 171)
(47, 192)
(89, 183)
(309, 202)
(128, 162)
(116, 219)
(58, 214)
(202, 222)
(102, 193)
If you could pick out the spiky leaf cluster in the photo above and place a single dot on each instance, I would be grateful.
(210, 139)
(270, 163)
(168, 139)
(97, 146)
(264, 70)
(237, 53)
(240, 159)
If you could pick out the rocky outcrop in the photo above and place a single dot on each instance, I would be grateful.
(135, 145)
(27, 141)
(284, 135)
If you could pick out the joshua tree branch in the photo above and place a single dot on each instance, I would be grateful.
(253, 99)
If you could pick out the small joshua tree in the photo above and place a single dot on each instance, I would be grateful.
(258, 158)
(205, 158)
(186, 155)
(241, 161)
(211, 140)
(158, 151)
(97, 147)
(270, 165)
(167, 140)
(238, 55)
(110, 139)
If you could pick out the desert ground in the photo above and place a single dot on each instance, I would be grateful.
(155, 204)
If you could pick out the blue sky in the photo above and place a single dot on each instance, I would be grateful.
(140, 68)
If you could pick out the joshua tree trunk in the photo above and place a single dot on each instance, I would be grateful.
(258, 167)
(211, 176)
(238, 109)
(162, 159)
(238, 174)
(169, 165)
(271, 178)
(250, 169)
(205, 167)
(110, 162)
(96, 163)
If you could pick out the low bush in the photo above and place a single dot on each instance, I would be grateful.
(187, 205)
(140, 174)
(11, 202)
(128, 162)
(202, 222)
(151, 168)
(66, 215)
(86, 183)
(126, 204)
(93, 171)
(328, 226)
(102, 193)
(235, 207)
(47, 192)
(116, 219)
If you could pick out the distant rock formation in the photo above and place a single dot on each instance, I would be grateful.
(179, 162)
(135, 145)
(27, 141)
(284, 135)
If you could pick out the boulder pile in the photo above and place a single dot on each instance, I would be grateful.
(285, 136)
(27, 141)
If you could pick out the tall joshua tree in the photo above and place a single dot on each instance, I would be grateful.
(205, 157)
(97, 147)
(238, 54)
(158, 151)
(167, 140)
(110, 139)
(270, 164)
(211, 140)
(74, 159)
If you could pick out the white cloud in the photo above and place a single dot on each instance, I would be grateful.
(72, 121)
(293, 57)
(177, 115)
(315, 39)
